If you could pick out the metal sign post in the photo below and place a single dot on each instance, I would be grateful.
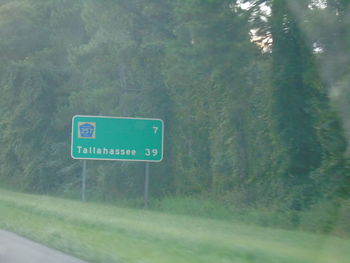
(83, 182)
(146, 185)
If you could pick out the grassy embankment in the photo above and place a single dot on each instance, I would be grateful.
(101, 233)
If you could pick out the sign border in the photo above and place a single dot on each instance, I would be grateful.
(112, 117)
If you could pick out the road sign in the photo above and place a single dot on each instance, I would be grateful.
(117, 138)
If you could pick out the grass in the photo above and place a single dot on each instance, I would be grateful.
(104, 233)
(327, 216)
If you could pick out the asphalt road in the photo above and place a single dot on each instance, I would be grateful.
(16, 249)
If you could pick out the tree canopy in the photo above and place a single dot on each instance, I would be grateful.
(253, 94)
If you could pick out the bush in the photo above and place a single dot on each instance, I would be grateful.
(328, 216)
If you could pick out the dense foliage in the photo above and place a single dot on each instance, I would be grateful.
(253, 94)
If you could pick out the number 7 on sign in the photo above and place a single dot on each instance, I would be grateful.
(155, 129)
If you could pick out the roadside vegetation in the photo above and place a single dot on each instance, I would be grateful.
(254, 95)
(329, 217)
(105, 234)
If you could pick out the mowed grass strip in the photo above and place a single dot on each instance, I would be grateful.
(102, 233)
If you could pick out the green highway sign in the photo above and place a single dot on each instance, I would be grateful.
(116, 138)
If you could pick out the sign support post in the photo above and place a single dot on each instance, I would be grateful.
(146, 197)
(83, 182)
